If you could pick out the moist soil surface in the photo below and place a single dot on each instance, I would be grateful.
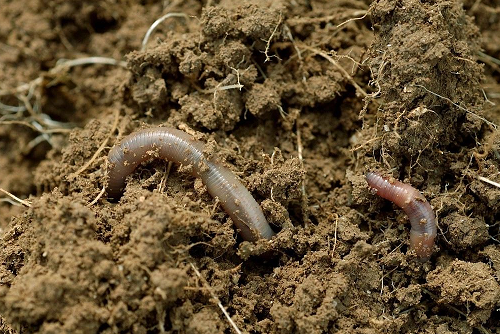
(299, 99)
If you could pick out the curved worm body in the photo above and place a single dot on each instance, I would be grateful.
(423, 221)
(178, 146)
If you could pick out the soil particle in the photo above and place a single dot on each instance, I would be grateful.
(492, 253)
(263, 98)
(299, 103)
(473, 284)
(464, 232)
(422, 47)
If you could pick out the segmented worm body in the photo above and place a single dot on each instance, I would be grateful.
(423, 221)
(178, 146)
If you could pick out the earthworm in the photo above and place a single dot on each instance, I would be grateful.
(178, 146)
(423, 221)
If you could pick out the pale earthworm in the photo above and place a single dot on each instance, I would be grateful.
(423, 221)
(178, 146)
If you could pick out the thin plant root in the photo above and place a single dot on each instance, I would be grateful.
(292, 40)
(22, 201)
(354, 18)
(315, 20)
(25, 93)
(268, 42)
(99, 150)
(458, 106)
(217, 300)
(305, 213)
(451, 307)
(335, 235)
(94, 201)
(89, 61)
(155, 24)
(493, 183)
(487, 59)
(365, 143)
(360, 90)
(34, 128)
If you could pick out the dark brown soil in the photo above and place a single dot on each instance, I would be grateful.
(299, 102)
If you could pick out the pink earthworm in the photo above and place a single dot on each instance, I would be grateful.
(423, 221)
(178, 146)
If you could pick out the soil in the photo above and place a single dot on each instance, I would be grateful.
(300, 99)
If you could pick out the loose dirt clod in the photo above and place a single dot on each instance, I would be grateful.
(299, 99)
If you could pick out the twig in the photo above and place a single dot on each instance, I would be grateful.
(207, 286)
(155, 25)
(23, 202)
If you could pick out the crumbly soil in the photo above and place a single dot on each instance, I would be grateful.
(299, 101)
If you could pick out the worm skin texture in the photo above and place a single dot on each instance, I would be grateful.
(423, 221)
(178, 146)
